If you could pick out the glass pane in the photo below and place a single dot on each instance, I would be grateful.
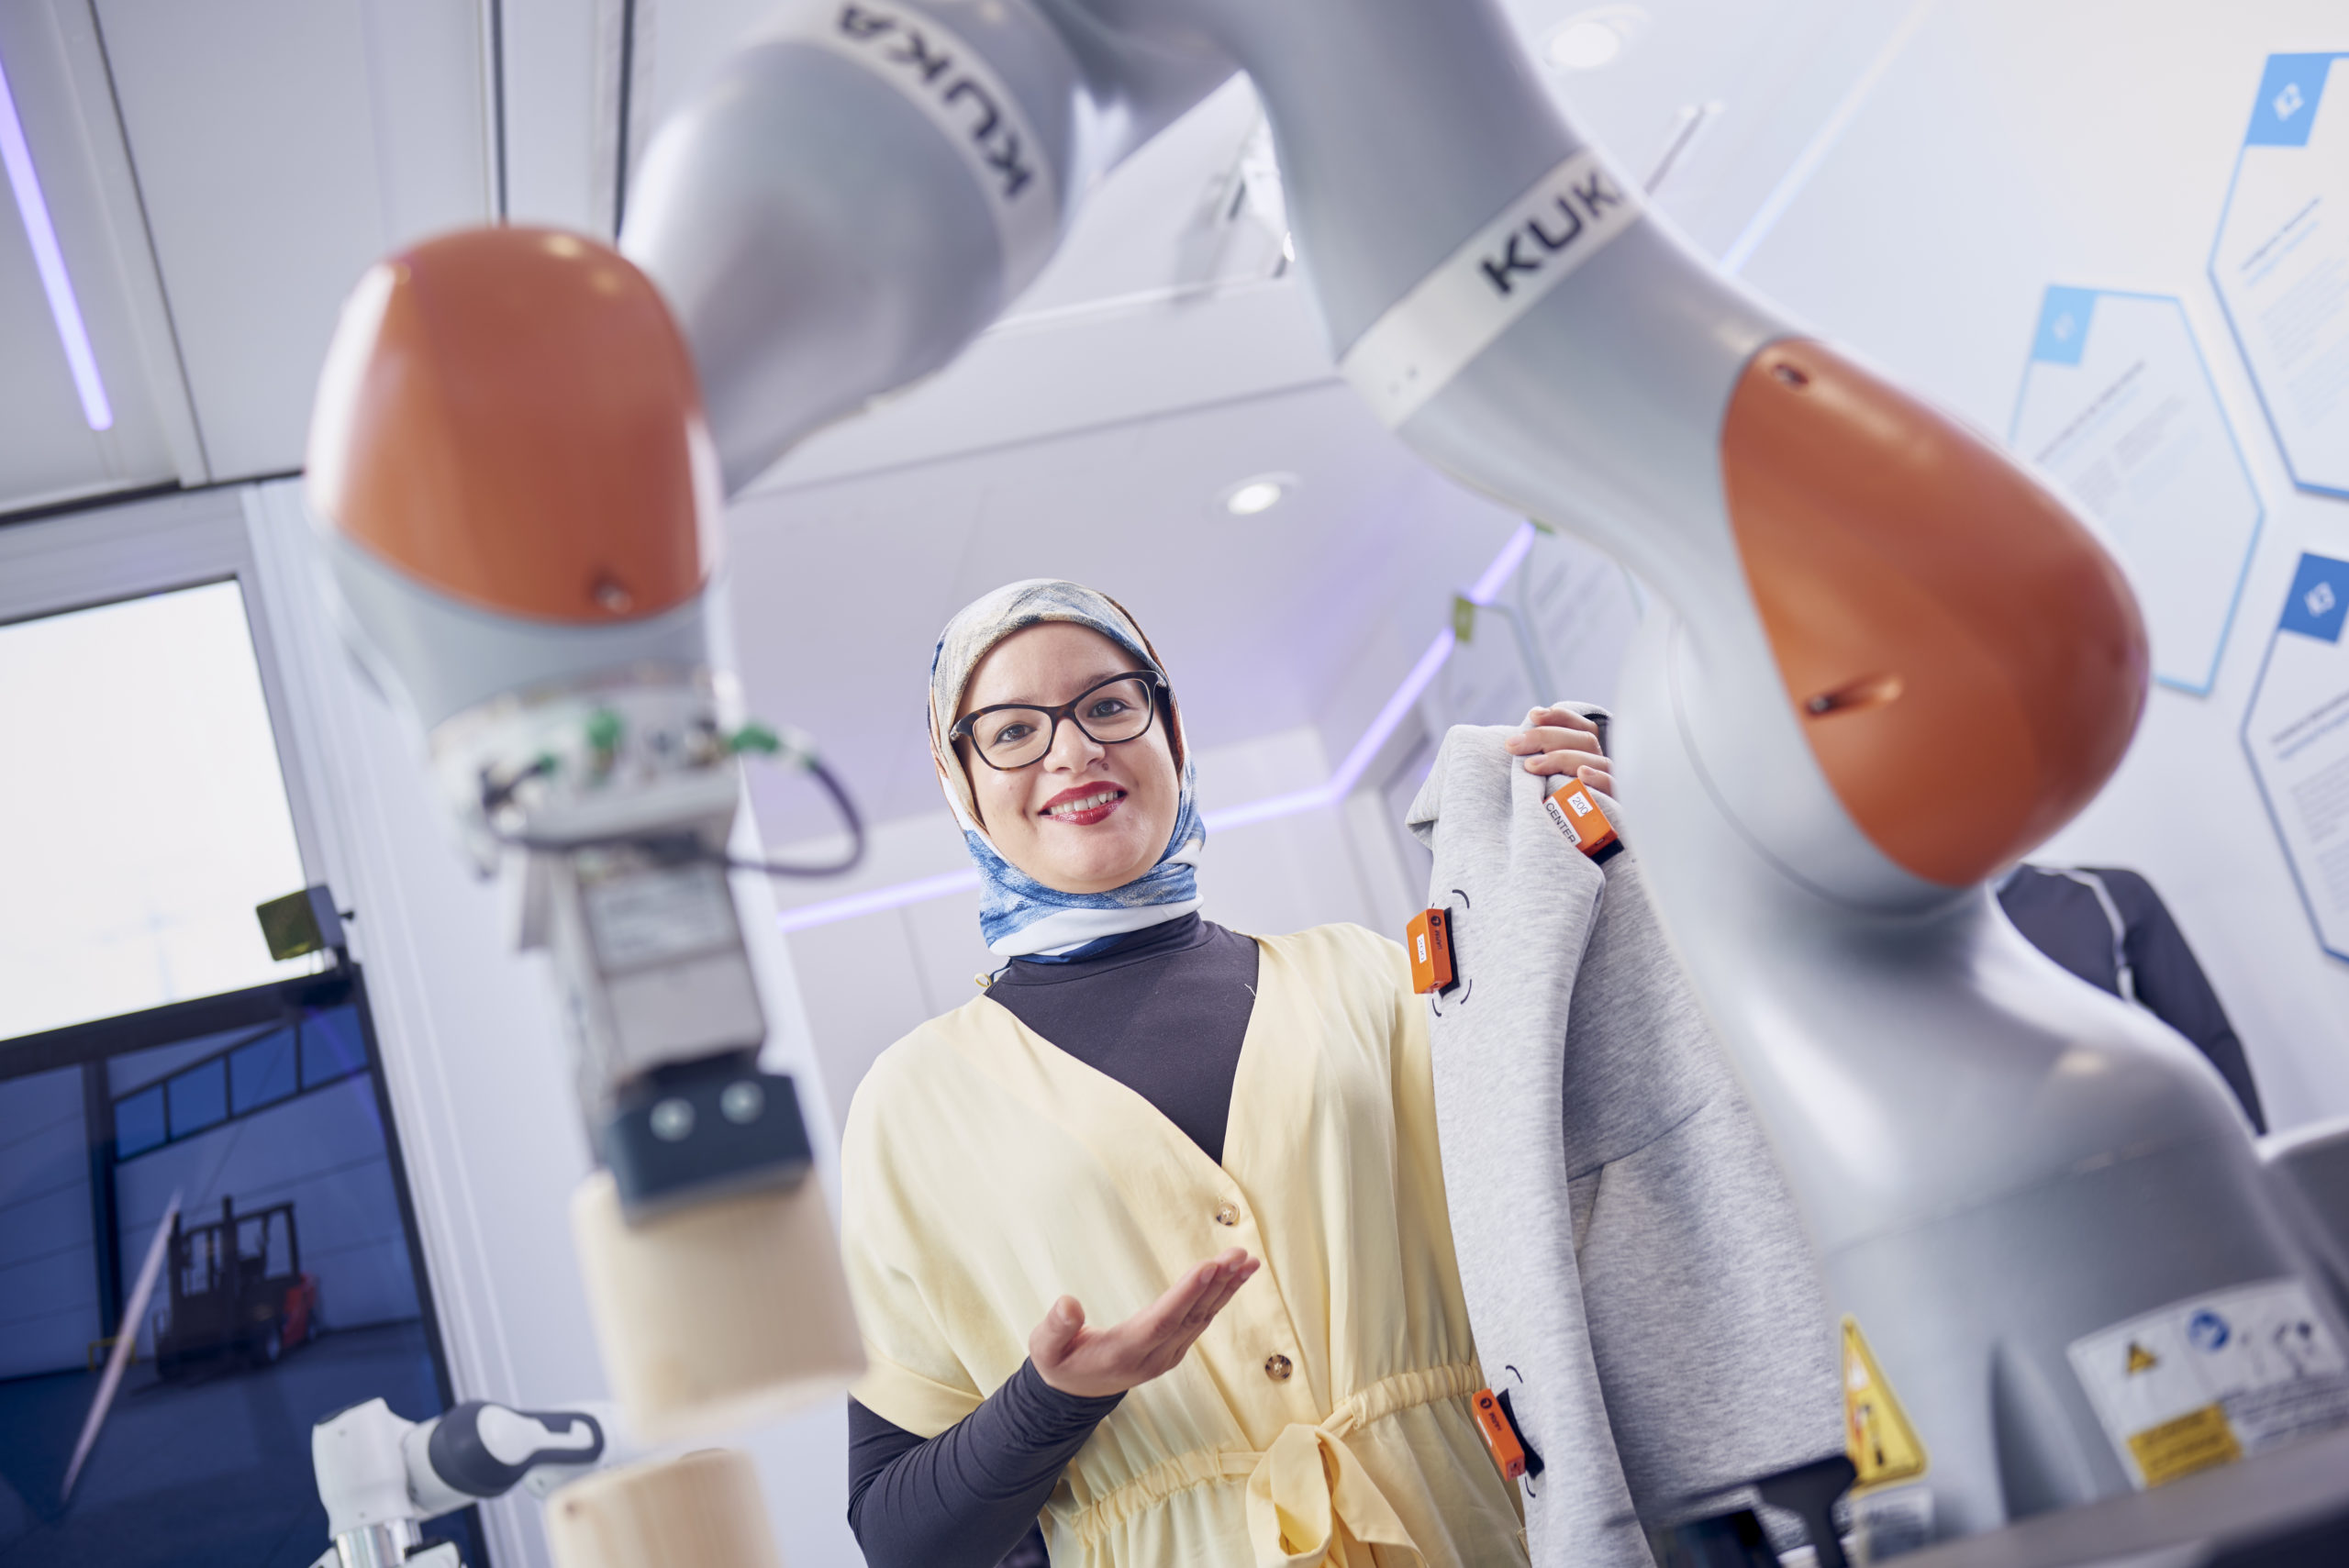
(331, 1047)
(150, 816)
(200, 1097)
(261, 1072)
(138, 1122)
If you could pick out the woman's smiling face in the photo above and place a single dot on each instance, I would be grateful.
(1085, 817)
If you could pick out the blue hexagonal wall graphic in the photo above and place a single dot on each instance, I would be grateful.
(2296, 730)
(2118, 405)
(2281, 262)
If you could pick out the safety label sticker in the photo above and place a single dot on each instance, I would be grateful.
(1883, 1446)
(2204, 1381)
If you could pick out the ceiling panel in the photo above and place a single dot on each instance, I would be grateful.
(282, 146)
(1775, 70)
(49, 450)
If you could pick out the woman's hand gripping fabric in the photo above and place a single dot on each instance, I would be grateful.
(1094, 1362)
(1562, 743)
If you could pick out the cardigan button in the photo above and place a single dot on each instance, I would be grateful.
(1278, 1367)
(1226, 1214)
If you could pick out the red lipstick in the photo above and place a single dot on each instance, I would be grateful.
(1105, 798)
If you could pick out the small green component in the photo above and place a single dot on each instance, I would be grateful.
(755, 737)
(1464, 618)
(1542, 528)
(603, 730)
(547, 765)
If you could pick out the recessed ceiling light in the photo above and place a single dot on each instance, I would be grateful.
(1260, 494)
(1589, 39)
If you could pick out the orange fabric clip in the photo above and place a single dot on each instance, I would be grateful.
(1576, 812)
(1500, 1434)
(1429, 938)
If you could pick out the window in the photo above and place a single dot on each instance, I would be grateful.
(289, 1284)
(144, 811)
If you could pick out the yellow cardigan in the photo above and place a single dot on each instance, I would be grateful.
(1324, 1416)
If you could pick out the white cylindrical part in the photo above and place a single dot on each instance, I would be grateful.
(702, 1507)
(717, 1314)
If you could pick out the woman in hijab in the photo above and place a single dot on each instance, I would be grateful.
(1150, 1238)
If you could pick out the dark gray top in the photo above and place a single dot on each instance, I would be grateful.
(1163, 1011)
(2064, 920)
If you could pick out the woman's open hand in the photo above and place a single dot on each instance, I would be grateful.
(1095, 1362)
(1560, 741)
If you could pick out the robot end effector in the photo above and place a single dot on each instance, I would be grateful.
(509, 449)
(520, 499)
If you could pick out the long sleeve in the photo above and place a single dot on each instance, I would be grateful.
(2172, 986)
(967, 1497)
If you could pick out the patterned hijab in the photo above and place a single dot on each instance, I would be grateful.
(1019, 917)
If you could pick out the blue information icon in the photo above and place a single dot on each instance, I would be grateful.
(2281, 262)
(2207, 1332)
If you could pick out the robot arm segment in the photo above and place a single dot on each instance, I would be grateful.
(1504, 298)
(866, 185)
(375, 1467)
(857, 194)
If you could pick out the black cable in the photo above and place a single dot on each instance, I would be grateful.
(841, 802)
(493, 797)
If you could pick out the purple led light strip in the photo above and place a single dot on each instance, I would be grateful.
(41, 234)
(1340, 786)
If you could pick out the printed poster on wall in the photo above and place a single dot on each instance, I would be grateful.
(2118, 403)
(2281, 263)
(2296, 733)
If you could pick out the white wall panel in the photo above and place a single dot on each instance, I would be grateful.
(562, 85)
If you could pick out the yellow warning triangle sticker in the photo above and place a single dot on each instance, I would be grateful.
(2141, 1358)
(1877, 1433)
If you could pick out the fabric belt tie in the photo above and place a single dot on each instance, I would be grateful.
(1310, 1502)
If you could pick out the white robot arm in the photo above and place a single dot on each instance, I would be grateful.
(380, 1475)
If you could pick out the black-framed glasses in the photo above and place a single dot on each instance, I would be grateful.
(1012, 735)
